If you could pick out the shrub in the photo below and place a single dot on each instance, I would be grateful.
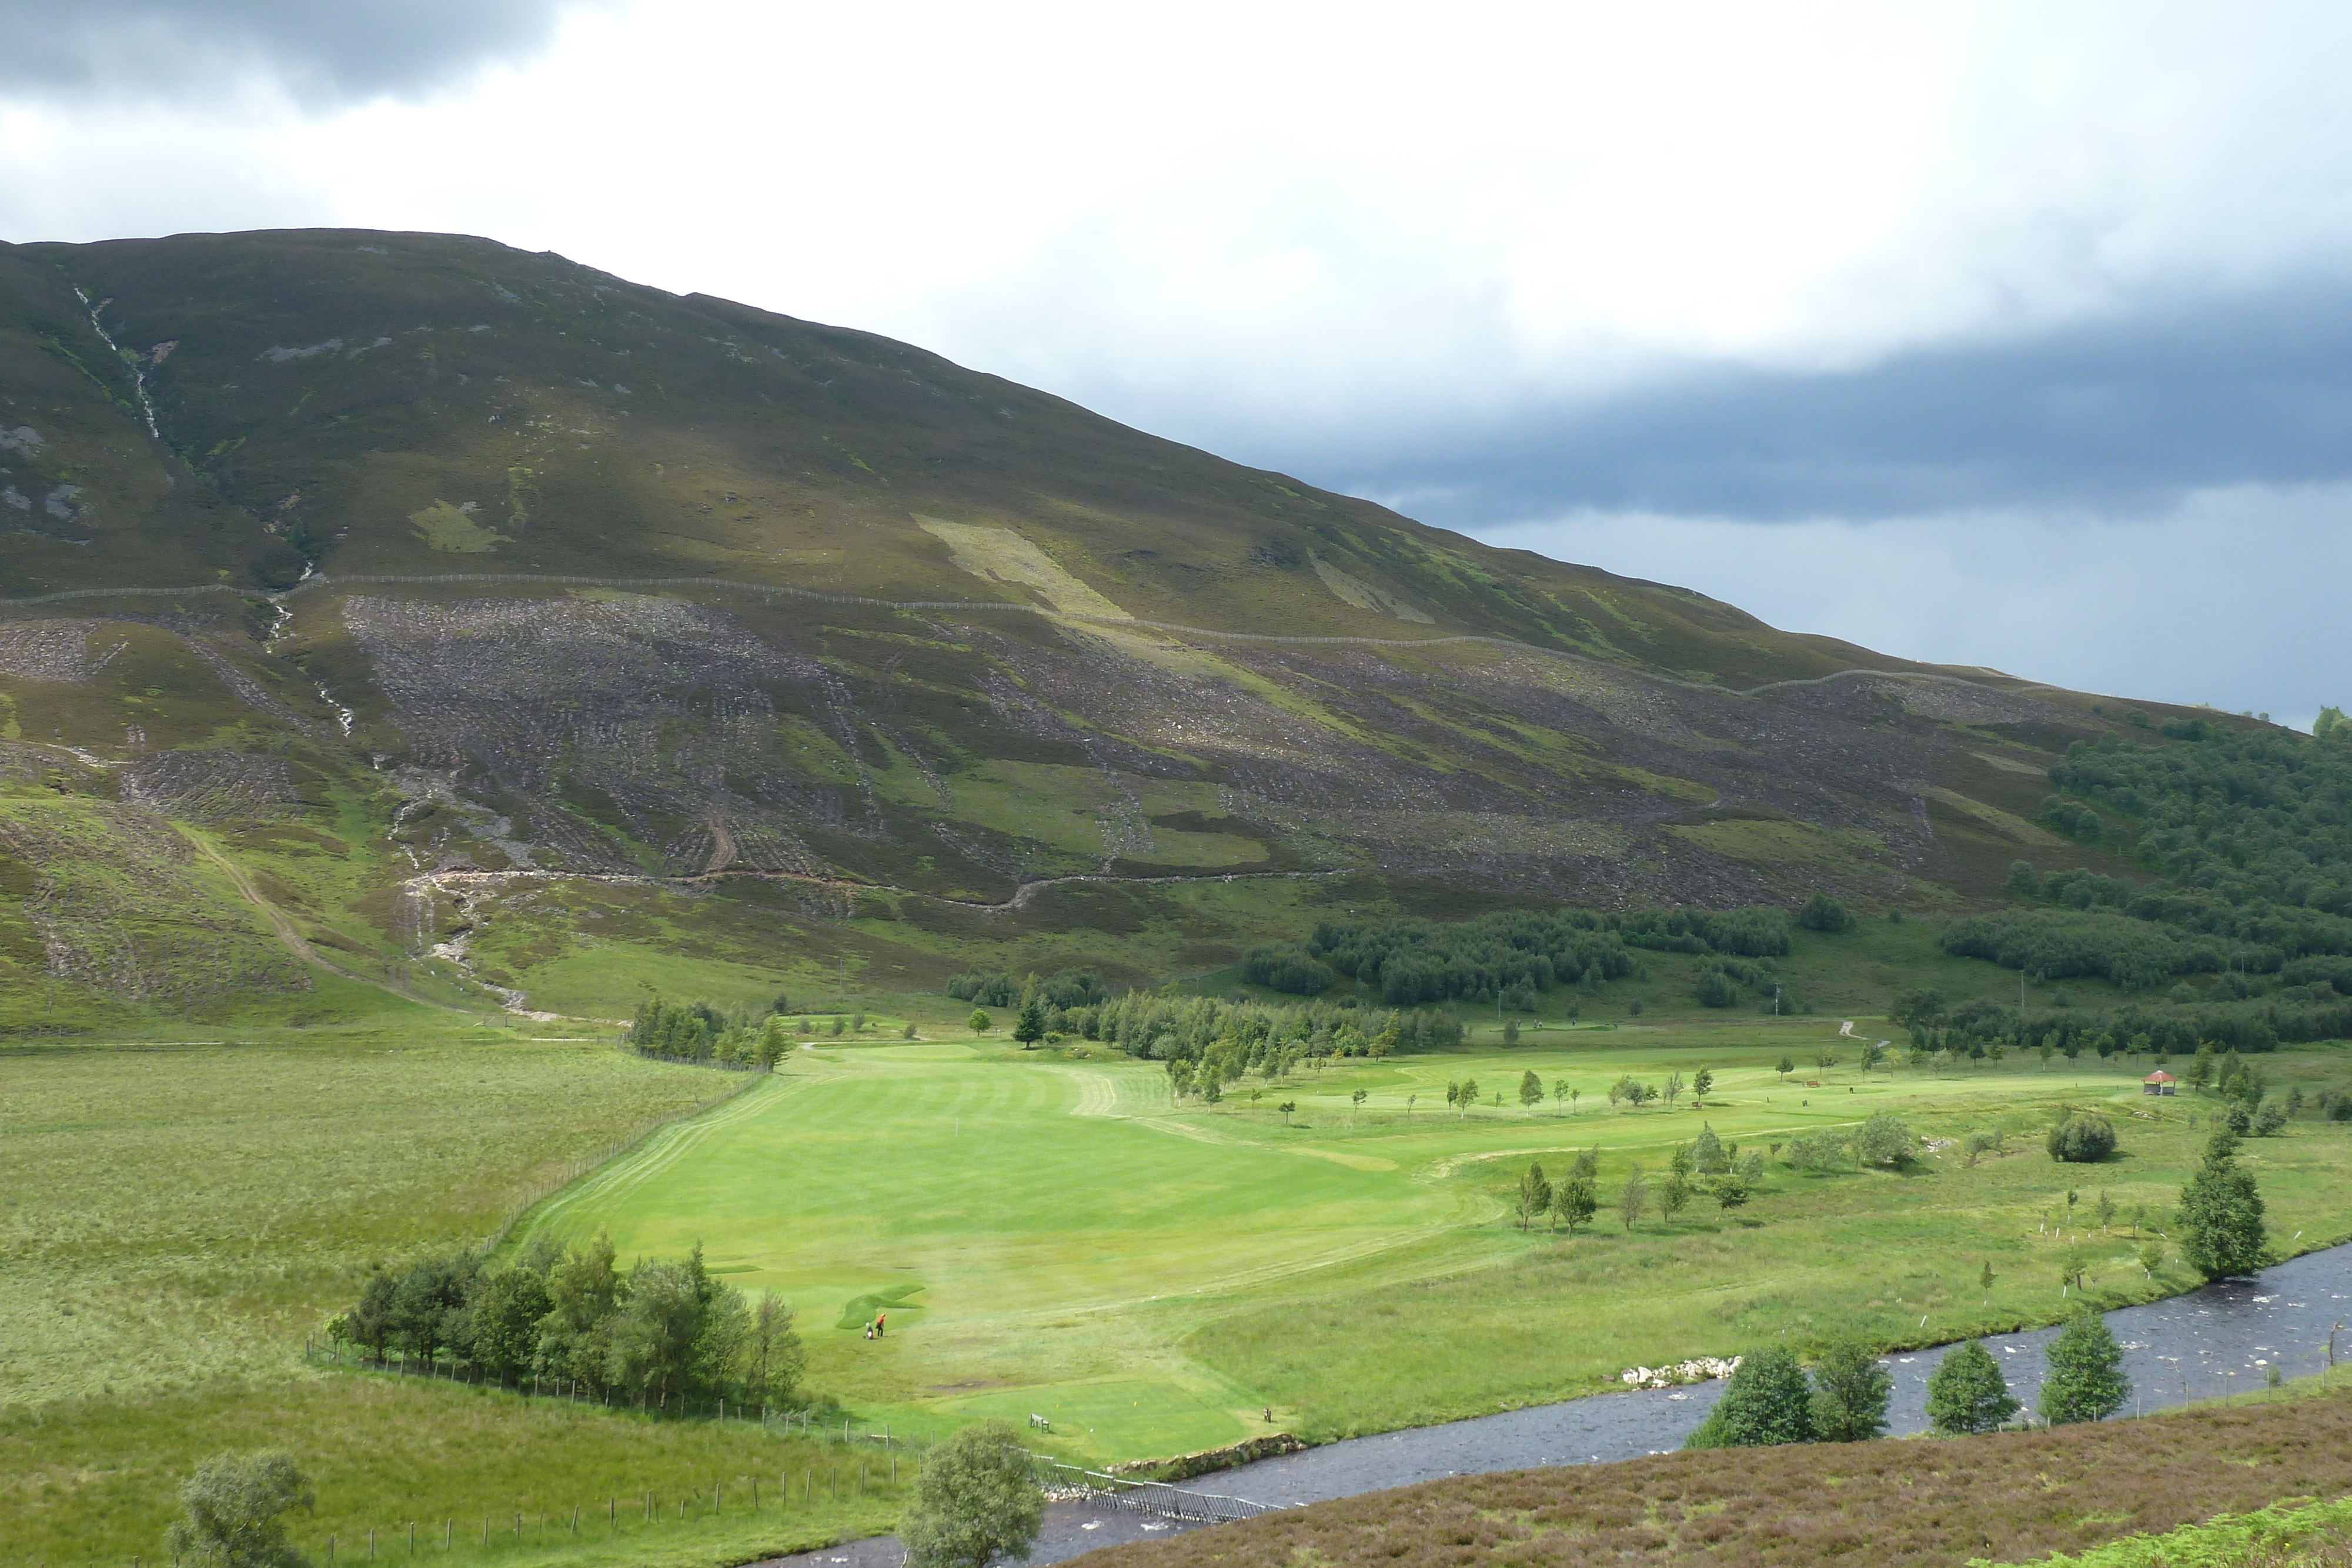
(1766, 1403)
(1822, 912)
(1850, 1390)
(236, 1506)
(1715, 989)
(1817, 1151)
(1885, 1140)
(2082, 1140)
(1967, 1394)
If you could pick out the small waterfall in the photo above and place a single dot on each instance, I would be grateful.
(138, 362)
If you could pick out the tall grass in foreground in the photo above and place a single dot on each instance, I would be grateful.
(2287, 1534)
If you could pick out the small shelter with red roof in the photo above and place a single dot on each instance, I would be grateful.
(2160, 1083)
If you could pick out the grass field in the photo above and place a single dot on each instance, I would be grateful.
(94, 1481)
(1060, 1241)
(1046, 1232)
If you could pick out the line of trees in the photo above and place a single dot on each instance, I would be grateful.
(698, 1031)
(661, 1331)
(1514, 956)
(1770, 1400)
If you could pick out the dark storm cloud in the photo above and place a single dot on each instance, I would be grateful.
(323, 51)
(2125, 414)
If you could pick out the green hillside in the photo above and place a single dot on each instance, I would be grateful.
(372, 656)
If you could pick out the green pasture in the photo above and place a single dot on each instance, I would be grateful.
(94, 1481)
(174, 1211)
(1062, 1241)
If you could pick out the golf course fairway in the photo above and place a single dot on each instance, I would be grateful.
(1046, 1234)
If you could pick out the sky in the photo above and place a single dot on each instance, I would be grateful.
(2005, 335)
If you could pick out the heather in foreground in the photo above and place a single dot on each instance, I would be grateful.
(2011, 1496)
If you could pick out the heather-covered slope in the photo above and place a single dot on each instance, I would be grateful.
(966, 672)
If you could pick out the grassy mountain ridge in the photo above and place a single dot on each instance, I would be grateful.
(1229, 699)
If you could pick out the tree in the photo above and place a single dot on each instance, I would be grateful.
(1765, 1403)
(1967, 1394)
(1633, 1198)
(677, 1328)
(234, 1513)
(2087, 1381)
(428, 1306)
(1530, 1090)
(1822, 912)
(1673, 1195)
(507, 1309)
(1825, 1059)
(1559, 1092)
(1883, 1140)
(1785, 1066)
(974, 1501)
(1674, 1088)
(1286, 1107)
(2106, 1210)
(772, 1357)
(979, 1021)
(1576, 1201)
(1701, 1081)
(1706, 1156)
(2221, 1214)
(2082, 1140)
(1535, 1196)
(1358, 1097)
(1849, 1393)
(1511, 1032)
(1715, 989)
(1469, 1092)
(1730, 1191)
(1029, 1024)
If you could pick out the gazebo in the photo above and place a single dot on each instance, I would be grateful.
(2160, 1083)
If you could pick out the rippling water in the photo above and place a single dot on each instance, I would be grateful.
(2219, 1339)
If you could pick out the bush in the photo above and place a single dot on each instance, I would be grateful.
(1822, 912)
(1967, 1394)
(1885, 1140)
(1850, 1390)
(1766, 1404)
(1289, 968)
(2082, 1140)
(236, 1506)
(1715, 989)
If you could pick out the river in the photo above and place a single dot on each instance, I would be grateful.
(2219, 1339)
